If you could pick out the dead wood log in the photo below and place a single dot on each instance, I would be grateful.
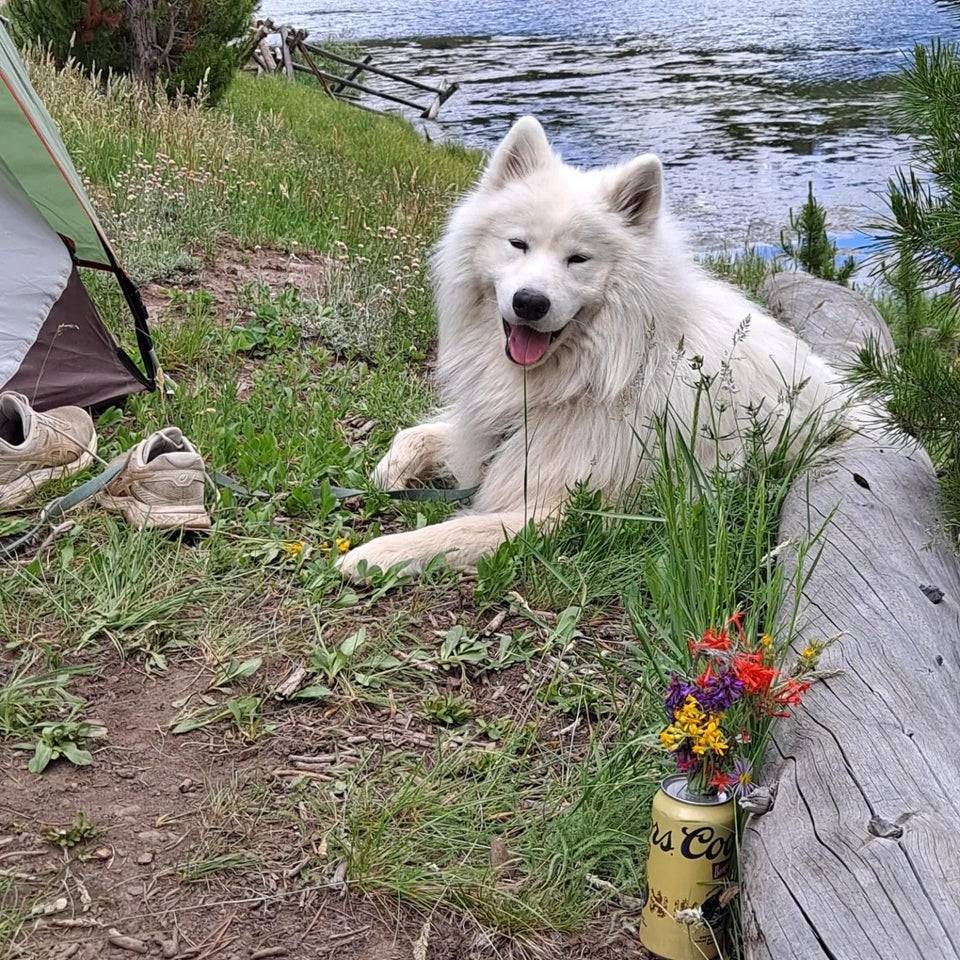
(285, 41)
(266, 56)
(860, 856)
(354, 74)
(312, 68)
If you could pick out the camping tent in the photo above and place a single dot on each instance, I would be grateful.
(53, 345)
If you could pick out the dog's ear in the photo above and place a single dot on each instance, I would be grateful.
(523, 150)
(637, 190)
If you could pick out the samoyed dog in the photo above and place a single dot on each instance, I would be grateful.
(563, 296)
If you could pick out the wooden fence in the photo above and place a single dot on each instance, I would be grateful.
(290, 54)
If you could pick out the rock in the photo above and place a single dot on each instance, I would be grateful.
(171, 947)
(126, 773)
(50, 907)
(130, 944)
(102, 853)
(126, 811)
(153, 836)
(187, 786)
(145, 858)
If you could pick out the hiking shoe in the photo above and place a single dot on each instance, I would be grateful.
(160, 484)
(36, 448)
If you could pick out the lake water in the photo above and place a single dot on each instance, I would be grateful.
(744, 102)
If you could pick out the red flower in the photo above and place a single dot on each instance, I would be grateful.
(705, 677)
(751, 672)
(721, 780)
(791, 692)
(717, 641)
(736, 620)
(686, 764)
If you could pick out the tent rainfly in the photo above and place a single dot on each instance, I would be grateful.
(54, 347)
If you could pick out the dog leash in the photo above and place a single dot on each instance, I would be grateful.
(89, 488)
(410, 494)
(54, 510)
(415, 494)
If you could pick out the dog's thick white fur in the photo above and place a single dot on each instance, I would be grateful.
(567, 293)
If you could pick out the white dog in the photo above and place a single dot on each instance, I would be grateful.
(562, 296)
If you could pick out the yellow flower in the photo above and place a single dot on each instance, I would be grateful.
(671, 737)
(810, 656)
(294, 548)
(343, 544)
(689, 717)
(711, 739)
(766, 640)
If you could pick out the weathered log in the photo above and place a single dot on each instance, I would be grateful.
(860, 856)
(266, 56)
(285, 52)
(379, 71)
(834, 319)
(311, 67)
(354, 74)
(326, 78)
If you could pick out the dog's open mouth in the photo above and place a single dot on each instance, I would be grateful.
(526, 346)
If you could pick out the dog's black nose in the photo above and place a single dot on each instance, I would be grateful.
(530, 305)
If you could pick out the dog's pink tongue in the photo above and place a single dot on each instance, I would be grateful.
(527, 345)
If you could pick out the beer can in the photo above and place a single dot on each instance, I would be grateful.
(692, 841)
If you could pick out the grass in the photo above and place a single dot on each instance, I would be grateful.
(746, 268)
(517, 811)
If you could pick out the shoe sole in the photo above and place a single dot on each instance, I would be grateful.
(23, 488)
(156, 517)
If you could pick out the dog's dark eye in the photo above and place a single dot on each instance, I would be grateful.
(577, 258)
(519, 244)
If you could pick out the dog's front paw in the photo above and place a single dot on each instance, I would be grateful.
(413, 454)
(383, 552)
(389, 473)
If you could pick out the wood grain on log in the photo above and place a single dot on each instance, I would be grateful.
(285, 51)
(860, 857)
(266, 56)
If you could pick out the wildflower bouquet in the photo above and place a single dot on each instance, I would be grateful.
(733, 691)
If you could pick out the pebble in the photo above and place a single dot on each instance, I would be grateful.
(132, 944)
(145, 858)
(187, 786)
(103, 853)
(49, 908)
(153, 836)
(126, 811)
(126, 773)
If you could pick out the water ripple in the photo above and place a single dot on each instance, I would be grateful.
(744, 102)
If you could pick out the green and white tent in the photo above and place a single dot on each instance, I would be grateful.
(54, 347)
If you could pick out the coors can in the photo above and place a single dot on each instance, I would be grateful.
(692, 839)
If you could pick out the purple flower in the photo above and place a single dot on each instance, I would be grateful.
(743, 784)
(678, 689)
(717, 692)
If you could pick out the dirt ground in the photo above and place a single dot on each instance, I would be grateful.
(235, 268)
(120, 892)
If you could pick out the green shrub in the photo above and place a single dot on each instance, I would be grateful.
(811, 247)
(190, 47)
(919, 385)
(96, 39)
(924, 199)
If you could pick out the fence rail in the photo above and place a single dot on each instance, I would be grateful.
(291, 54)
